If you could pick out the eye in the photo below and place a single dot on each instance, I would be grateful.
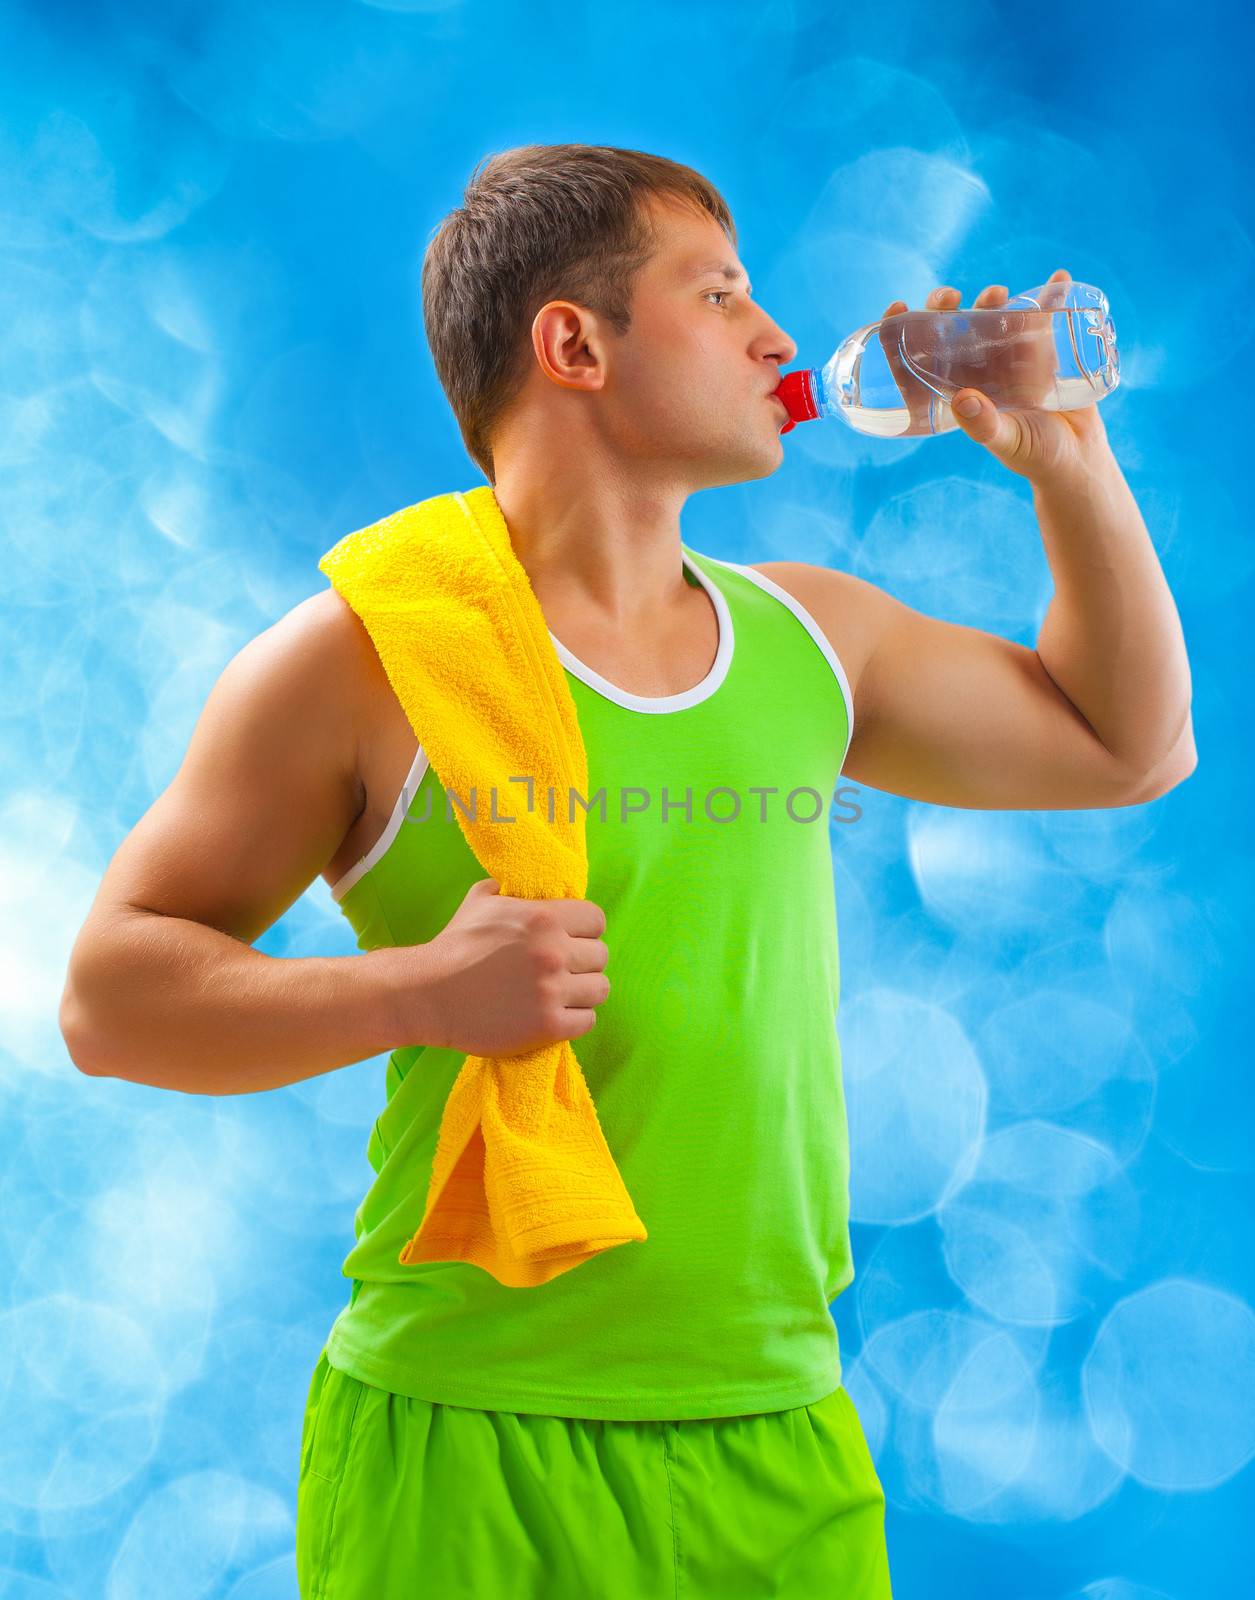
(726, 294)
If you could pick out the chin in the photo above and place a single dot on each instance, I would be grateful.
(765, 461)
(746, 469)
(740, 460)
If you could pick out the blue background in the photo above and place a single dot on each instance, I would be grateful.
(212, 366)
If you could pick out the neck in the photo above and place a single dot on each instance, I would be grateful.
(602, 546)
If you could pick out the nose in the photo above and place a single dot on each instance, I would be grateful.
(779, 347)
(785, 349)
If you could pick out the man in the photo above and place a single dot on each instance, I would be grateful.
(671, 1409)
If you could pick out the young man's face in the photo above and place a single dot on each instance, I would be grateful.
(687, 388)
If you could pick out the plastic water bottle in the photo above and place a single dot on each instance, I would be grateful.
(1052, 348)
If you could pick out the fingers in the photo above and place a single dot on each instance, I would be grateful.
(586, 989)
(947, 298)
(587, 955)
(1059, 279)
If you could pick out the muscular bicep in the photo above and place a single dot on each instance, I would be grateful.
(960, 717)
(957, 716)
(267, 789)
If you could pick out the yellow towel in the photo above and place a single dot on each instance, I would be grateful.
(523, 1183)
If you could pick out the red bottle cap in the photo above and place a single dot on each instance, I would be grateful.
(798, 396)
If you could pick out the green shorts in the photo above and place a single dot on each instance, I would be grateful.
(411, 1498)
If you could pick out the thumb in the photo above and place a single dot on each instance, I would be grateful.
(981, 420)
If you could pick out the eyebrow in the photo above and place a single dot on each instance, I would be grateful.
(730, 272)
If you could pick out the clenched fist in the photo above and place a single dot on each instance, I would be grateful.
(508, 975)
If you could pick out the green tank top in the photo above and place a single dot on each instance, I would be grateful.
(714, 1063)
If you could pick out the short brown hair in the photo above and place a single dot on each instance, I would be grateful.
(537, 223)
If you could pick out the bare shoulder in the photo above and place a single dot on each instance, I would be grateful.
(323, 650)
(849, 610)
(301, 692)
(269, 784)
(328, 635)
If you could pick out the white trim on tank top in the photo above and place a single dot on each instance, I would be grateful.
(811, 626)
(632, 702)
(663, 703)
(409, 790)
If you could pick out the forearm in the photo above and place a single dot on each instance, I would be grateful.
(173, 1003)
(1111, 638)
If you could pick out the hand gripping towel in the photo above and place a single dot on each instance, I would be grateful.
(523, 1183)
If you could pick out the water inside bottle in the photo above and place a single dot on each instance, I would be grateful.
(896, 378)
